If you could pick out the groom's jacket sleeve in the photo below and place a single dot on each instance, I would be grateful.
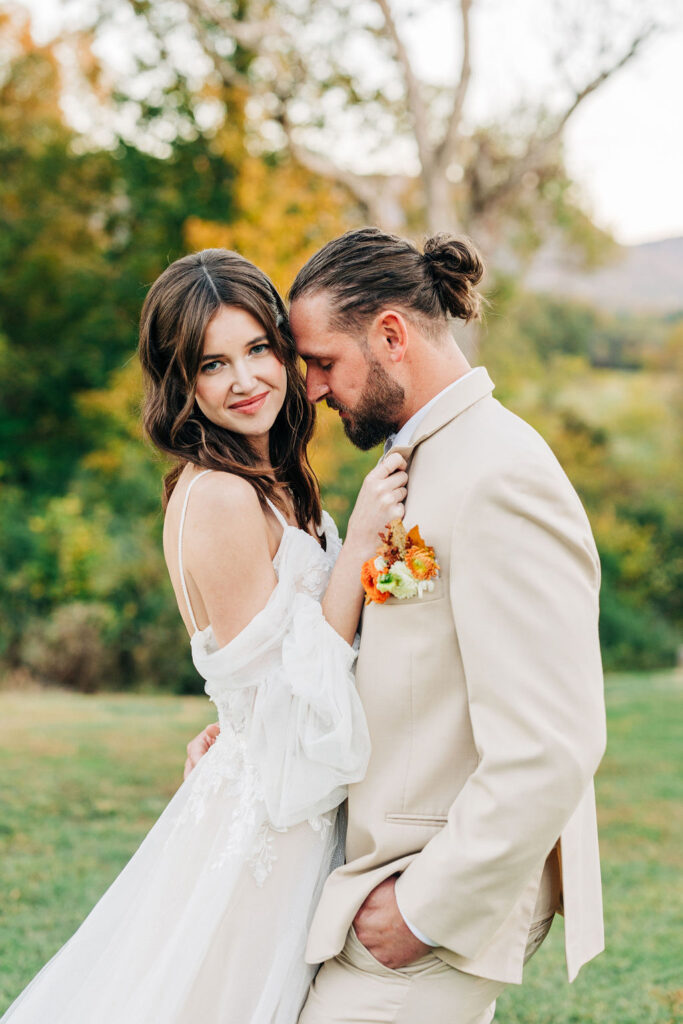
(524, 582)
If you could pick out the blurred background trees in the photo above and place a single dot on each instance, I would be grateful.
(270, 126)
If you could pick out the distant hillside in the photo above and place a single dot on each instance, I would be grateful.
(642, 278)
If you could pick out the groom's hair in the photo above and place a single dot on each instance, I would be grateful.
(367, 270)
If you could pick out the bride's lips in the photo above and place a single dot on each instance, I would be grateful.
(250, 405)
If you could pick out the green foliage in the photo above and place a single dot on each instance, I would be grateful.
(82, 234)
(616, 432)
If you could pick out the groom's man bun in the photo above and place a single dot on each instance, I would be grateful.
(367, 269)
(455, 267)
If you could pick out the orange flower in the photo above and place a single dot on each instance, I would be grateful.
(422, 563)
(369, 575)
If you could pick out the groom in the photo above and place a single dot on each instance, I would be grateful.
(475, 823)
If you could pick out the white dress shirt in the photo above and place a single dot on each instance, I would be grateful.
(403, 437)
(409, 428)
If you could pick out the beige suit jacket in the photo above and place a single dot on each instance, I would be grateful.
(485, 704)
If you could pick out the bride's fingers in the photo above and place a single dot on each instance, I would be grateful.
(397, 479)
(393, 462)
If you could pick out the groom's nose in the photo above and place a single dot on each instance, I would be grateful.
(316, 388)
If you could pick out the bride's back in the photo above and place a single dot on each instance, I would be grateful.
(218, 546)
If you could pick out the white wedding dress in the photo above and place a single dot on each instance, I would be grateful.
(207, 922)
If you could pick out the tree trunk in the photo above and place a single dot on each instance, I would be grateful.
(440, 213)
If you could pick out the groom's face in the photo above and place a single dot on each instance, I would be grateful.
(344, 372)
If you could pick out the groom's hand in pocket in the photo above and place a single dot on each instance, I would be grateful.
(380, 927)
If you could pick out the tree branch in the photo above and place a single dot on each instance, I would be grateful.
(448, 145)
(539, 146)
(226, 70)
(358, 185)
(413, 94)
(249, 34)
(596, 82)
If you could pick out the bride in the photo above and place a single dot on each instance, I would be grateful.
(208, 920)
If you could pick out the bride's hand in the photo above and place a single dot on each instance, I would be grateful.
(199, 746)
(379, 501)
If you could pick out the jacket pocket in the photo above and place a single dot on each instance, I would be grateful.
(439, 591)
(429, 820)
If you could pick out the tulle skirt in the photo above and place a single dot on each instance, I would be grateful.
(207, 922)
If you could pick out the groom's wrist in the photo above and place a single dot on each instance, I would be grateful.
(416, 931)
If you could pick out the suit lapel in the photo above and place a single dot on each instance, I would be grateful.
(456, 401)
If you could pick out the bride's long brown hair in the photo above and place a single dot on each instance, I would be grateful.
(178, 308)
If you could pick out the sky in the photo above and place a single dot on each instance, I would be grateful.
(624, 146)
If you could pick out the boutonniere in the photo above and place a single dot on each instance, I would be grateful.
(405, 566)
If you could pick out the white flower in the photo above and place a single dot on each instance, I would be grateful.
(381, 563)
(398, 581)
(424, 587)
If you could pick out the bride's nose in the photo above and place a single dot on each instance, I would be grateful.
(244, 379)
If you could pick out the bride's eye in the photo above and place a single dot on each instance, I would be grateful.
(257, 350)
(211, 367)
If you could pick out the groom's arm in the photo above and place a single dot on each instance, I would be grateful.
(524, 592)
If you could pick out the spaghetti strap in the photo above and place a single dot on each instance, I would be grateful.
(278, 514)
(191, 484)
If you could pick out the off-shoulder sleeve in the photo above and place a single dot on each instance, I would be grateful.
(308, 736)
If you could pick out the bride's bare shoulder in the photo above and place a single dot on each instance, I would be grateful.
(219, 505)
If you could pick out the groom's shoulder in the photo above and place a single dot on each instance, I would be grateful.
(491, 435)
(489, 449)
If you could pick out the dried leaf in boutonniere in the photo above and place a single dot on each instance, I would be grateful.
(404, 566)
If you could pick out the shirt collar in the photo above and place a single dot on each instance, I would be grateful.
(409, 428)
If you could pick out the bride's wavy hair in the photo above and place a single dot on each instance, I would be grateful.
(177, 311)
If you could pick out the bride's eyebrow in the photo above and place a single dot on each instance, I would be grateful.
(221, 355)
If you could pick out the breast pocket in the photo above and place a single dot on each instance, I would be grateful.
(438, 593)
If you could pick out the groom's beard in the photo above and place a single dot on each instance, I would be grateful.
(378, 411)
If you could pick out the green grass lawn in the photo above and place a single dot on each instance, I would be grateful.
(83, 778)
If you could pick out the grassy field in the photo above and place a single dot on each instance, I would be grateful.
(83, 778)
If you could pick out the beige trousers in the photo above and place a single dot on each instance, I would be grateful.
(355, 988)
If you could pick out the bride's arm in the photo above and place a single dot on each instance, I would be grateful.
(379, 501)
(226, 546)
(227, 554)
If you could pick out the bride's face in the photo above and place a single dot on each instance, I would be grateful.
(241, 384)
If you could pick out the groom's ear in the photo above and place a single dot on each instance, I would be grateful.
(388, 336)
